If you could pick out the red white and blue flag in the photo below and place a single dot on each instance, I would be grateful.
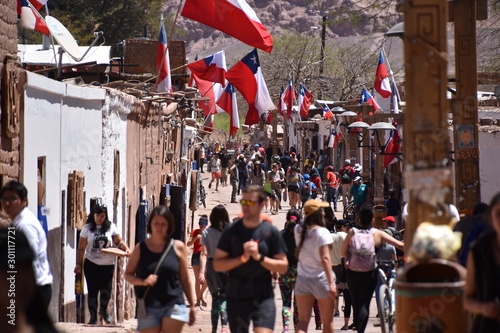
(289, 98)
(393, 146)
(246, 76)
(211, 91)
(227, 102)
(367, 98)
(31, 18)
(395, 98)
(327, 113)
(212, 68)
(163, 80)
(382, 84)
(335, 136)
(233, 17)
(304, 101)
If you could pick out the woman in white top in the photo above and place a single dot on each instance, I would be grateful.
(315, 279)
(97, 234)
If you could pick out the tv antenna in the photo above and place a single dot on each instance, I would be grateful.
(66, 41)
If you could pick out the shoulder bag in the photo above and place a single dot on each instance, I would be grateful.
(141, 302)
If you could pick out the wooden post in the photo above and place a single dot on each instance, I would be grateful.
(274, 135)
(426, 147)
(465, 128)
(366, 156)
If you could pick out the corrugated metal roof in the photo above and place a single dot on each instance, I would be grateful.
(35, 55)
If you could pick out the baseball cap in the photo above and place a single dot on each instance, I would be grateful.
(389, 219)
(306, 176)
(358, 178)
(311, 206)
(347, 161)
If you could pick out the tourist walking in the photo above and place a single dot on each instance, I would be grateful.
(250, 249)
(158, 269)
(315, 278)
(97, 234)
(195, 242)
(216, 281)
(359, 246)
(287, 280)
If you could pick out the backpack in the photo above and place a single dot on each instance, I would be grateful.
(346, 177)
(305, 190)
(362, 250)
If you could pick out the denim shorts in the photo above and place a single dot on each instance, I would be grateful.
(156, 314)
(316, 286)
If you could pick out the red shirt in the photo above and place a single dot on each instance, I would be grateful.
(331, 180)
(317, 182)
(196, 245)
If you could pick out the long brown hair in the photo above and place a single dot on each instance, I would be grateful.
(315, 218)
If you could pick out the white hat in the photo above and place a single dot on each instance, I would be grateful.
(347, 162)
(358, 178)
(357, 167)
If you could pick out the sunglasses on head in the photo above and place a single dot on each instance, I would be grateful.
(244, 202)
(203, 223)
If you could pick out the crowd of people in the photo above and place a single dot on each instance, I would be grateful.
(320, 262)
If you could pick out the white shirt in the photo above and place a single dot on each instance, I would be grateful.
(453, 212)
(309, 261)
(215, 165)
(337, 238)
(97, 241)
(27, 222)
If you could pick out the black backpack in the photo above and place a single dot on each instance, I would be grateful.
(346, 177)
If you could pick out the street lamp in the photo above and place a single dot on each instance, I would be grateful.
(379, 131)
(360, 128)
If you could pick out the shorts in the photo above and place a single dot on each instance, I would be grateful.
(156, 314)
(195, 259)
(316, 286)
(216, 174)
(271, 195)
(293, 188)
(241, 312)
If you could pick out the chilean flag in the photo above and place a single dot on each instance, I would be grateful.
(212, 68)
(227, 102)
(335, 136)
(304, 101)
(233, 17)
(246, 76)
(36, 4)
(327, 113)
(289, 98)
(366, 97)
(209, 90)
(31, 18)
(164, 80)
(382, 84)
(281, 103)
(392, 147)
(395, 99)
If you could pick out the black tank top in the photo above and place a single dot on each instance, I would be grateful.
(167, 291)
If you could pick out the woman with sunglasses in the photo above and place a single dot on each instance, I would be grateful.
(194, 241)
(216, 281)
(97, 234)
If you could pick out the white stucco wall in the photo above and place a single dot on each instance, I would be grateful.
(489, 144)
(64, 124)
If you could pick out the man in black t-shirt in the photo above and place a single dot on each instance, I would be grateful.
(224, 163)
(250, 249)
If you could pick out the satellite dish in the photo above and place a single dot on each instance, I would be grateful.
(63, 38)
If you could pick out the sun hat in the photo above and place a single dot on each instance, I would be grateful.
(357, 167)
(311, 206)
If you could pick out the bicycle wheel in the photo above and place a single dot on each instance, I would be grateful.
(349, 211)
(384, 308)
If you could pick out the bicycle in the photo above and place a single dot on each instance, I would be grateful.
(386, 298)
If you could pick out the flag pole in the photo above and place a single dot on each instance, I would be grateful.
(391, 73)
(172, 29)
(164, 55)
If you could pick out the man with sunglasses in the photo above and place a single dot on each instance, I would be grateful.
(14, 199)
(249, 250)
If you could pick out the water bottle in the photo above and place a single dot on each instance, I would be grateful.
(195, 165)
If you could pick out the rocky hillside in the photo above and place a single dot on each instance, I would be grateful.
(344, 18)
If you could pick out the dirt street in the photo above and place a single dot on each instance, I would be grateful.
(203, 323)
